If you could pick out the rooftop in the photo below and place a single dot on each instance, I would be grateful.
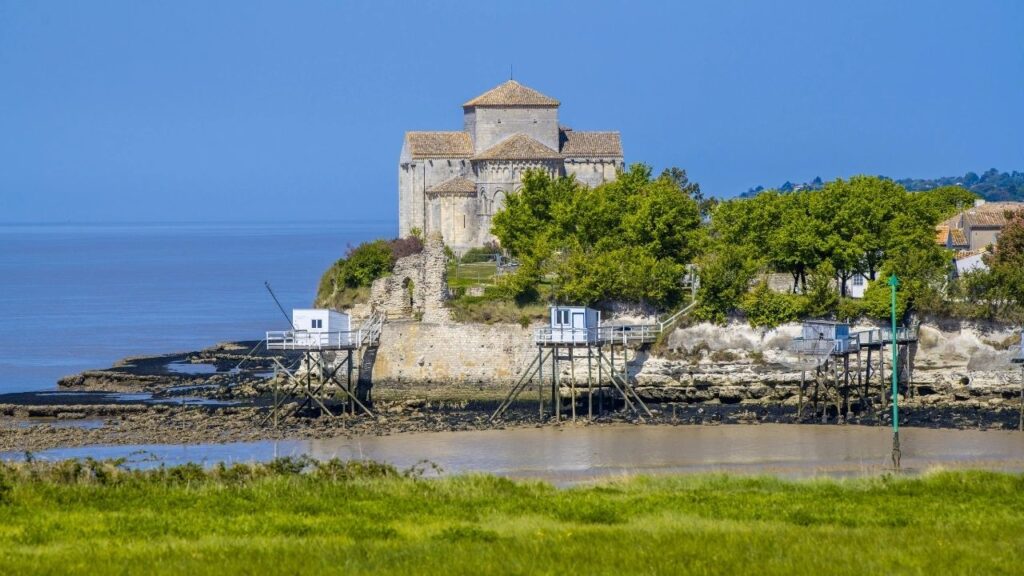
(511, 93)
(579, 144)
(439, 144)
(457, 185)
(982, 211)
(518, 147)
(958, 238)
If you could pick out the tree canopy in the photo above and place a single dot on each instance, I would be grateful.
(629, 239)
(862, 226)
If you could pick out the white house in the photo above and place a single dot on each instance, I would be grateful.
(970, 263)
(857, 285)
(320, 327)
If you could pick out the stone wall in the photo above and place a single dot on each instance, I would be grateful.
(953, 361)
(417, 176)
(593, 171)
(425, 352)
(959, 364)
(417, 287)
(492, 125)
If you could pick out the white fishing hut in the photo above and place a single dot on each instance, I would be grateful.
(818, 334)
(314, 328)
(573, 325)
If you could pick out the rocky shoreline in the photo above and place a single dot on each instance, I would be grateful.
(61, 426)
(222, 394)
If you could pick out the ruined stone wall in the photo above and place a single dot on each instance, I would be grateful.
(426, 352)
(417, 287)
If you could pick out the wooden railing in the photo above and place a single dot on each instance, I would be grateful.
(824, 346)
(671, 320)
(883, 335)
(631, 334)
(306, 340)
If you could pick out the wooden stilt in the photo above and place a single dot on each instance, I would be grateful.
(572, 381)
(540, 381)
(590, 387)
(556, 397)
(800, 396)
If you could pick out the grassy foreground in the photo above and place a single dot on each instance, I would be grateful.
(295, 517)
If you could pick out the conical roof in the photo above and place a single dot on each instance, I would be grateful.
(511, 93)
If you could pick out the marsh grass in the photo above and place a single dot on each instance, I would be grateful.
(301, 517)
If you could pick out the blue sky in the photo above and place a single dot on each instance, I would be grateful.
(141, 111)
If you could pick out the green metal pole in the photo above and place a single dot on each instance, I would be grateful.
(894, 282)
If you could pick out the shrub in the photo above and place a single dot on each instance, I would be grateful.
(402, 247)
(822, 296)
(725, 277)
(849, 309)
(365, 263)
(766, 308)
(347, 281)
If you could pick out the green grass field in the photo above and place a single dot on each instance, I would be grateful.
(349, 518)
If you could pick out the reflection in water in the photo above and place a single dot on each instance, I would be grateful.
(572, 454)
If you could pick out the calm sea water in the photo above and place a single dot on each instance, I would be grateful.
(74, 297)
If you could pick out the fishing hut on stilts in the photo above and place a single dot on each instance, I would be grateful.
(330, 357)
(848, 369)
(577, 340)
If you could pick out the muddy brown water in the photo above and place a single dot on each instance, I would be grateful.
(571, 454)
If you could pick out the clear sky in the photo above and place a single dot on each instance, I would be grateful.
(200, 110)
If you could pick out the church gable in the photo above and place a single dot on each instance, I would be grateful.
(456, 186)
(518, 147)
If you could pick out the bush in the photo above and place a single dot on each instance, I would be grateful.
(766, 308)
(348, 280)
(822, 296)
(402, 247)
(365, 263)
(849, 310)
(725, 277)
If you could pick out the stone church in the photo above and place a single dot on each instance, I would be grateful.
(454, 182)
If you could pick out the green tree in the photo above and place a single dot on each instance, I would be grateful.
(624, 240)
(365, 263)
(766, 308)
(725, 276)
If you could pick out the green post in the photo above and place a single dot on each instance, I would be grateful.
(894, 282)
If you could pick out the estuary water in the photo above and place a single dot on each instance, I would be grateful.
(571, 454)
(75, 297)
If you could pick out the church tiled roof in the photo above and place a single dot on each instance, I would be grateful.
(958, 238)
(587, 144)
(457, 185)
(511, 93)
(518, 147)
(439, 144)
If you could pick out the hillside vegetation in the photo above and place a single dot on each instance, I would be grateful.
(992, 185)
(632, 241)
(301, 517)
(347, 282)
